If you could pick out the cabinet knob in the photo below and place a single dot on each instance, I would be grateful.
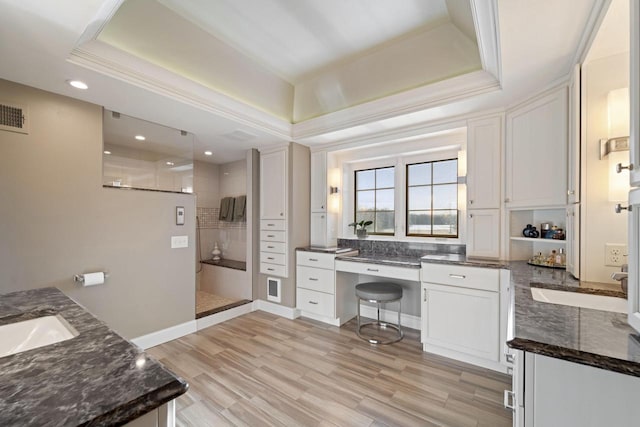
(470, 202)
(470, 215)
(507, 200)
(620, 168)
(619, 208)
(571, 192)
(281, 214)
(322, 207)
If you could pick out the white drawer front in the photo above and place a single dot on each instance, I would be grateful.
(401, 273)
(273, 224)
(272, 258)
(272, 236)
(273, 269)
(316, 279)
(486, 279)
(275, 247)
(316, 259)
(315, 302)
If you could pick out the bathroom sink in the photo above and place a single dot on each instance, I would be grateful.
(577, 299)
(33, 333)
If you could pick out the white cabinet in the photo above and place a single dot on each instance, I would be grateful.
(318, 236)
(483, 233)
(634, 93)
(536, 152)
(273, 185)
(319, 181)
(461, 313)
(634, 259)
(573, 175)
(316, 286)
(573, 240)
(484, 163)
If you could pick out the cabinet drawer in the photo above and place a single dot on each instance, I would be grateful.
(315, 259)
(273, 224)
(486, 279)
(316, 279)
(401, 273)
(273, 269)
(275, 247)
(272, 258)
(315, 302)
(272, 236)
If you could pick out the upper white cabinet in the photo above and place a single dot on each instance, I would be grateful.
(273, 185)
(573, 178)
(483, 233)
(484, 163)
(536, 152)
(634, 96)
(319, 181)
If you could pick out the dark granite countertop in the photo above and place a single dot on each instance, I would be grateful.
(331, 250)
(591, 337)
(397, 261)
(227, 263)
(95, 378)
(461, 259)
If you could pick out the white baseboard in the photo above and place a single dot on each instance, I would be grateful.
(277, 309)
(473, 360)
(223, 316)
(390, 316)
(165, 335)
(324, 319)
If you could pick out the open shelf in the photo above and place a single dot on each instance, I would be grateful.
(546, 241)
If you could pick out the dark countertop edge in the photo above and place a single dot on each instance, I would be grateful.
(221, 263)
(142, 405)
(600, 361)
(580, 290)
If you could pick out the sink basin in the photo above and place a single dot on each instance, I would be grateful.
(33, 333)
(577, 299)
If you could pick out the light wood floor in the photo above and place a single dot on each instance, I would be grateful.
(264, 370)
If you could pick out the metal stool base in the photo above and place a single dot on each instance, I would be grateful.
(382, 325)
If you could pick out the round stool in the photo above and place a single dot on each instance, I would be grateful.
(379, 293)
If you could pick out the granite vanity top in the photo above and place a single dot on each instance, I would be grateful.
(95, 378)
(591, 337)
(397, 261)
(227, 263)
(331, 250)
(461, 259)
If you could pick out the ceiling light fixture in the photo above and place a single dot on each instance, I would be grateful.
(106, 152)
(140, 138)
(208, 153)
(78, 84)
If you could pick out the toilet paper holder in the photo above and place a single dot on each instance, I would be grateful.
(80, 277)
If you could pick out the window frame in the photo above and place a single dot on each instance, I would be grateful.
(375, 188)
(406, 201)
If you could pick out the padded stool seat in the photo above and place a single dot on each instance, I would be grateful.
(379, 293)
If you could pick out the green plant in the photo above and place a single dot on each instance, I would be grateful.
(362, 225)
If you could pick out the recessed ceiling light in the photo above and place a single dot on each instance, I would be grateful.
(170, 163)
(208, 153)
(140, 138)
(78, 84)
(106, 152)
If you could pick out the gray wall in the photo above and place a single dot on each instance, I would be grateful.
(57, 220)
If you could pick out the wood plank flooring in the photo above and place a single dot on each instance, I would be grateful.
(264, 370)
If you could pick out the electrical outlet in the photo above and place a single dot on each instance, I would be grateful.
(615, 255)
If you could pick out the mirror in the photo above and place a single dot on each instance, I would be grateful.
(146, 156)
(605, 115)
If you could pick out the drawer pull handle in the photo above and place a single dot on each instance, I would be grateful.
(457, 276)
(313, 259)
(271, 258)
(375, 270)
(270, 269)
(509, 357)
(271, 225)
(313, 302)
(270, 235)
(313, 279)
(509, 398)
(271, 247)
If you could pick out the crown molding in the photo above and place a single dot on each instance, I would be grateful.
(596, 16)
(485, 19)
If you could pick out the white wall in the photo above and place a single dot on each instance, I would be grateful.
(601, 224)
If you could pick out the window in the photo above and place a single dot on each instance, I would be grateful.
(432, 199)
(375, 199)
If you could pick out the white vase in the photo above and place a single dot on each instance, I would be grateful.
(216, 252)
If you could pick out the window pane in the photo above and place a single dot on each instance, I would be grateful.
(384, 222)
(365, 200)
(384, 200)
(367, 216)
(365, 180)
(419, 174)
(419, 198)
(384, 178)
(445, 222)
(420, 222)
(446, 171)
(445, 196)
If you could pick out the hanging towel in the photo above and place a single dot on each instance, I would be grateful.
(239, 208)
(226, 209)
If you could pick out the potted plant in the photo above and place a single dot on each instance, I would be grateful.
(360, 228)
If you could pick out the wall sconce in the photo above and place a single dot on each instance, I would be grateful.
(333, 190)
(616, 147)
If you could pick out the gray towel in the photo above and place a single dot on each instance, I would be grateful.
(239, 208)
(226, 209)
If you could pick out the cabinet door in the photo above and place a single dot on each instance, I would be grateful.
(573, 183)
(319, 182)
(573, 240)
(536, 152)
(634, 259)
(634, 94)
(273, 185)
(484, 163)
(483, 233)
(461, 319)
(318, 229)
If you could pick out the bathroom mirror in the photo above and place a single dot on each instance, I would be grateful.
(604, 115)
(147, 156)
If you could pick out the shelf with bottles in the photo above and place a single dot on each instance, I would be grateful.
(556, 242)
(524, 248)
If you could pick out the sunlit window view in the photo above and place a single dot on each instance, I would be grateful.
(375, 199)
(432, 199)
